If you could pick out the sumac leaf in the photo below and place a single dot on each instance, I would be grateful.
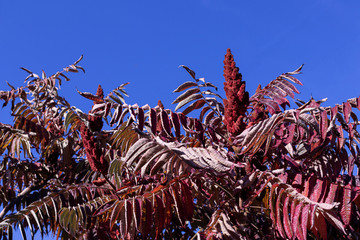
(304, 220)
(188, 100)
(195, 105)
(317, 191)
(187, 200)
(137, 210)
(159, 213)
(115, 213)
(179, 205)
(175, 123)
(141, 119)
(91, 96)
(185, 86)
(146, 218)
(295, 220)
(191, 72)
(165, 122)
(287, 225)
(346, 111)
(167, 205)
(279, 225)
(346, 203)
(153, 120)
(185, 95)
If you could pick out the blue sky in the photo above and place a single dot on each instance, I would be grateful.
(144, 42)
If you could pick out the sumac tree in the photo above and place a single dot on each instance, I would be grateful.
(248, 167)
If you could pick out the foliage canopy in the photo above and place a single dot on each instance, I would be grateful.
(247, 167)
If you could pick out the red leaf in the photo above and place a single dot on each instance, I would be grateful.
(286, 220)
(185, 86)
(159, 213)
(165, 122)
(129, 215)
(304, 220)
(279, 226)
(323, 124)
(175, 123)
(178, 203)
(306, 191)
(291, 133)
(191, 72)
(297, 182)
(153, 120)
(332, 218)
(341, 139)
(116, 212)
(312, 216)
(320, 227)
(186, 95)
(256, 194)
(317, 191)
(209, 117)
(271, 202)
(346, 111)
(141, 119)
(137, 208)
(183, 119)
(116, 115)
(167, 204)
(195, 105)
(345, 211)
(272, 106)
(203, 111)
(146, 218)
(334, 111)
(91, 96)
(107, 109)
(351, 162)
(122, 221)
(295, 220)
(291, 78)
(200, 129)
(187, 200)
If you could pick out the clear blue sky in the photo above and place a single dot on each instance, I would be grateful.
(144, 42)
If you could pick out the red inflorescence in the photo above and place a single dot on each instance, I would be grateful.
(237, 98)
(93, 151)
(96, 122)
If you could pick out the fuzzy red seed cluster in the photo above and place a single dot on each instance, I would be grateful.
(93, 150)
(96, 122)
(237, 99)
